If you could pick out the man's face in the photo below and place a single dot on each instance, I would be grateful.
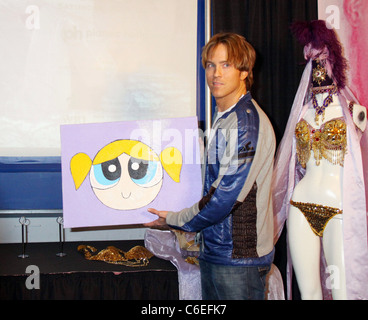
(223, 79)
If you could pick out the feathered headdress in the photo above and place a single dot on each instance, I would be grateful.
(321, 42)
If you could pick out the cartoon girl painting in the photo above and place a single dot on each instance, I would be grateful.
(126, 174)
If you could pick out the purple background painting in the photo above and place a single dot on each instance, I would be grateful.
(81, 208)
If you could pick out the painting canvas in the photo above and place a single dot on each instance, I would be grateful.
(113, 172)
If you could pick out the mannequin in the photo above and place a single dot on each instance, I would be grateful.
(322, 138)
(322, 184)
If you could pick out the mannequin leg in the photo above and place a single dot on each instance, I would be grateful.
(334, 254)
(305, 254)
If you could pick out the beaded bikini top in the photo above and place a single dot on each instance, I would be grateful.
(328, 142)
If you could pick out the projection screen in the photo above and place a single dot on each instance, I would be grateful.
(86, 61)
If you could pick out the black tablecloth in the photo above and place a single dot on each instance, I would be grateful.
(74, 277)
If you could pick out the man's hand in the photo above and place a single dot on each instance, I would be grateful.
(161, 221)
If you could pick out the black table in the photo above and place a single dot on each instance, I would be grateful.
(73, 277)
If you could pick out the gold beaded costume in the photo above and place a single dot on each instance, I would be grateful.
(328, 142)
(317, 215)
(135, 257)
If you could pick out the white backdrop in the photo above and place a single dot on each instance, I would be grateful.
(80, 61)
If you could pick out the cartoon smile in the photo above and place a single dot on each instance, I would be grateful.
(127, 196)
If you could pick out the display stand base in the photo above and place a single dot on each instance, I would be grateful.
(25, 223)
(61, 254)
(60, 221)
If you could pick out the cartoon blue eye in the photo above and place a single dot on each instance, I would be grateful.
(106, 174)
(144, 173)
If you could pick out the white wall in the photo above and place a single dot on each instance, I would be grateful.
(78, 61)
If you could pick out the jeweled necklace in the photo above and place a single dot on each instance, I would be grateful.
(320, 110)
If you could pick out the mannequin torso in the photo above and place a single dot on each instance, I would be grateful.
(322, 184)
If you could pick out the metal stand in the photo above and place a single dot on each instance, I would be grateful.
(60, 221)
(25, 223)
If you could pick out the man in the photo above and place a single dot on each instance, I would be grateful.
(234, 218)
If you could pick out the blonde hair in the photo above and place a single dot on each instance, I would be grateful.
(171, 159)
(240, 52)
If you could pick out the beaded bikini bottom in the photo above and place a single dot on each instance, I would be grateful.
(317, 215)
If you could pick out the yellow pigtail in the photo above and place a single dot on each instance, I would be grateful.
(80, 165)
(172, 161)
